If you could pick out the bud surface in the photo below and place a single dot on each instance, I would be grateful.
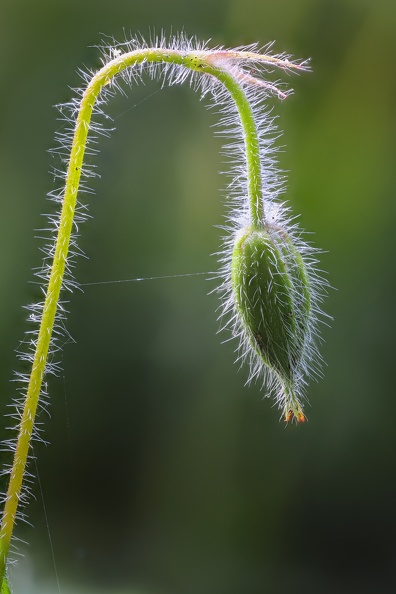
(271, 290)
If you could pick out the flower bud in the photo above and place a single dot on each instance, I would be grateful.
(272, 298)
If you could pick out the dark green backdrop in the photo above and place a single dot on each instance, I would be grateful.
(164, 473)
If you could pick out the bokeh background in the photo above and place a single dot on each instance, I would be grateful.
(164, 473)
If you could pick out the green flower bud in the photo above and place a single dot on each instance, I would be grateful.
(272, 298)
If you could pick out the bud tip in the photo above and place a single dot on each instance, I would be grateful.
(298, 415)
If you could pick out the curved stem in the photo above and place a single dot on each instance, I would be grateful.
(202, 61)
(252, 148)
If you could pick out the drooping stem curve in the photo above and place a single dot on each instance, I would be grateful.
(208, 62)
(252, 149)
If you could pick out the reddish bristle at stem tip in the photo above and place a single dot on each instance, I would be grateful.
(299, 416)
(288, 416)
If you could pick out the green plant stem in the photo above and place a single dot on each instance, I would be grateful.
(194, 61)
(252, 148)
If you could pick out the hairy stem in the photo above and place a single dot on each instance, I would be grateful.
(202, 61)
(252, 148)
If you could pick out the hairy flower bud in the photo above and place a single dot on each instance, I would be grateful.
(272, 297)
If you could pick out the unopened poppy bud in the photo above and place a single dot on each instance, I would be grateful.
(271, 292)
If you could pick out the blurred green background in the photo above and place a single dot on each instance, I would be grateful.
(164, 473)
